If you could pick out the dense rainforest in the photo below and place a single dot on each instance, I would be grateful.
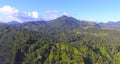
(64, 40)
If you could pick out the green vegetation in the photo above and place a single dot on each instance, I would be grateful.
(55, 42)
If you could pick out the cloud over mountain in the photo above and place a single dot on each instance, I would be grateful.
(8, 13)
(53, 14)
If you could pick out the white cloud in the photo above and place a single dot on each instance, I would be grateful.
(8, 13)
(65, 13)
(8, 10)
(35, 14)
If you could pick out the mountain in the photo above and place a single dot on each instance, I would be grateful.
(32, 24)
(110, 25)
(65, 22)
(13, 22)
(64, 40)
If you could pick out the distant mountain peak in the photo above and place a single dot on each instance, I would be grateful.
(63, 17)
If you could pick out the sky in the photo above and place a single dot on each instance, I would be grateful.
(33, 10)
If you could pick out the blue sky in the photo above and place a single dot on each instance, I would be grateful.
(92, 10)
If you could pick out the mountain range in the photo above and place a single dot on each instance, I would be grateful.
(111, 25)
(70, 21)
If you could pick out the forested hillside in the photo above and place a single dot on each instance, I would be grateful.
(64, 40)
